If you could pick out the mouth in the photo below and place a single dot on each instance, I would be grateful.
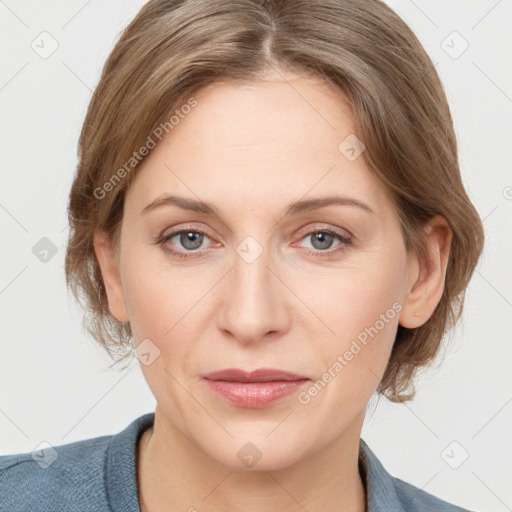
(260, 375)
(254, 389)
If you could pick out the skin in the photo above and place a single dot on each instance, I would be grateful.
(251, 150)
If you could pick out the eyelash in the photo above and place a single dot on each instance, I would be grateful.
(346, 241)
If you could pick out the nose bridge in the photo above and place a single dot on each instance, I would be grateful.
(253, 305)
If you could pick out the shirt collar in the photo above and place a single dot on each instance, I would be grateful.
(380, 486)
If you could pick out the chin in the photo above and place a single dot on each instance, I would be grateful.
(257, 453)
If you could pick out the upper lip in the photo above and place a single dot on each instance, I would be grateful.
(260, 375)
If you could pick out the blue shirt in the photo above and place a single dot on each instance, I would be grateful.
(99, 474)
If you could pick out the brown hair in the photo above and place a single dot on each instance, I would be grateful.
(174, 47)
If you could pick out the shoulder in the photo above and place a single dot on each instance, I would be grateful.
(97, 475)
(64, 477)
(414, 499)
(386, 492)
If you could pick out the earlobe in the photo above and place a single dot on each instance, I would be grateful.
(109, 266)
(427, 275)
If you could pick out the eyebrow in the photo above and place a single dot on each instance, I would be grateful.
(292, 209)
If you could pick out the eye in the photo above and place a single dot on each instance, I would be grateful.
(322, 240)
(190, 239)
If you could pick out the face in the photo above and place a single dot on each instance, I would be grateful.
(255, 284)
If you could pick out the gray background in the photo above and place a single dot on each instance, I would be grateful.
(55, 385)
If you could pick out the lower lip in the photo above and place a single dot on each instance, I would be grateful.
(254, 395)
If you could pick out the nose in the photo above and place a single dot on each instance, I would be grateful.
(254, 304)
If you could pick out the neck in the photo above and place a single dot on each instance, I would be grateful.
(173, 471)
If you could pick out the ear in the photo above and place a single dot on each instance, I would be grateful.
(109, 266)
(426, 275)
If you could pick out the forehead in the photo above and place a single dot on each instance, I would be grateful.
(263, 142)
(271, 116)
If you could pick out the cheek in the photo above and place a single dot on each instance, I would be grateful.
(166, 306)
(162, 310)
(148, 303)
(344, 301)
(155, 293)
(357, 316)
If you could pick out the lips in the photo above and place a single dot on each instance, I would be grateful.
(261, 375)
(255, 389)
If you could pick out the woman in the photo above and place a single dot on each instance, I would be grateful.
(268, 208)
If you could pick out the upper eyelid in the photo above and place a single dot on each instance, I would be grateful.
(318, 226)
